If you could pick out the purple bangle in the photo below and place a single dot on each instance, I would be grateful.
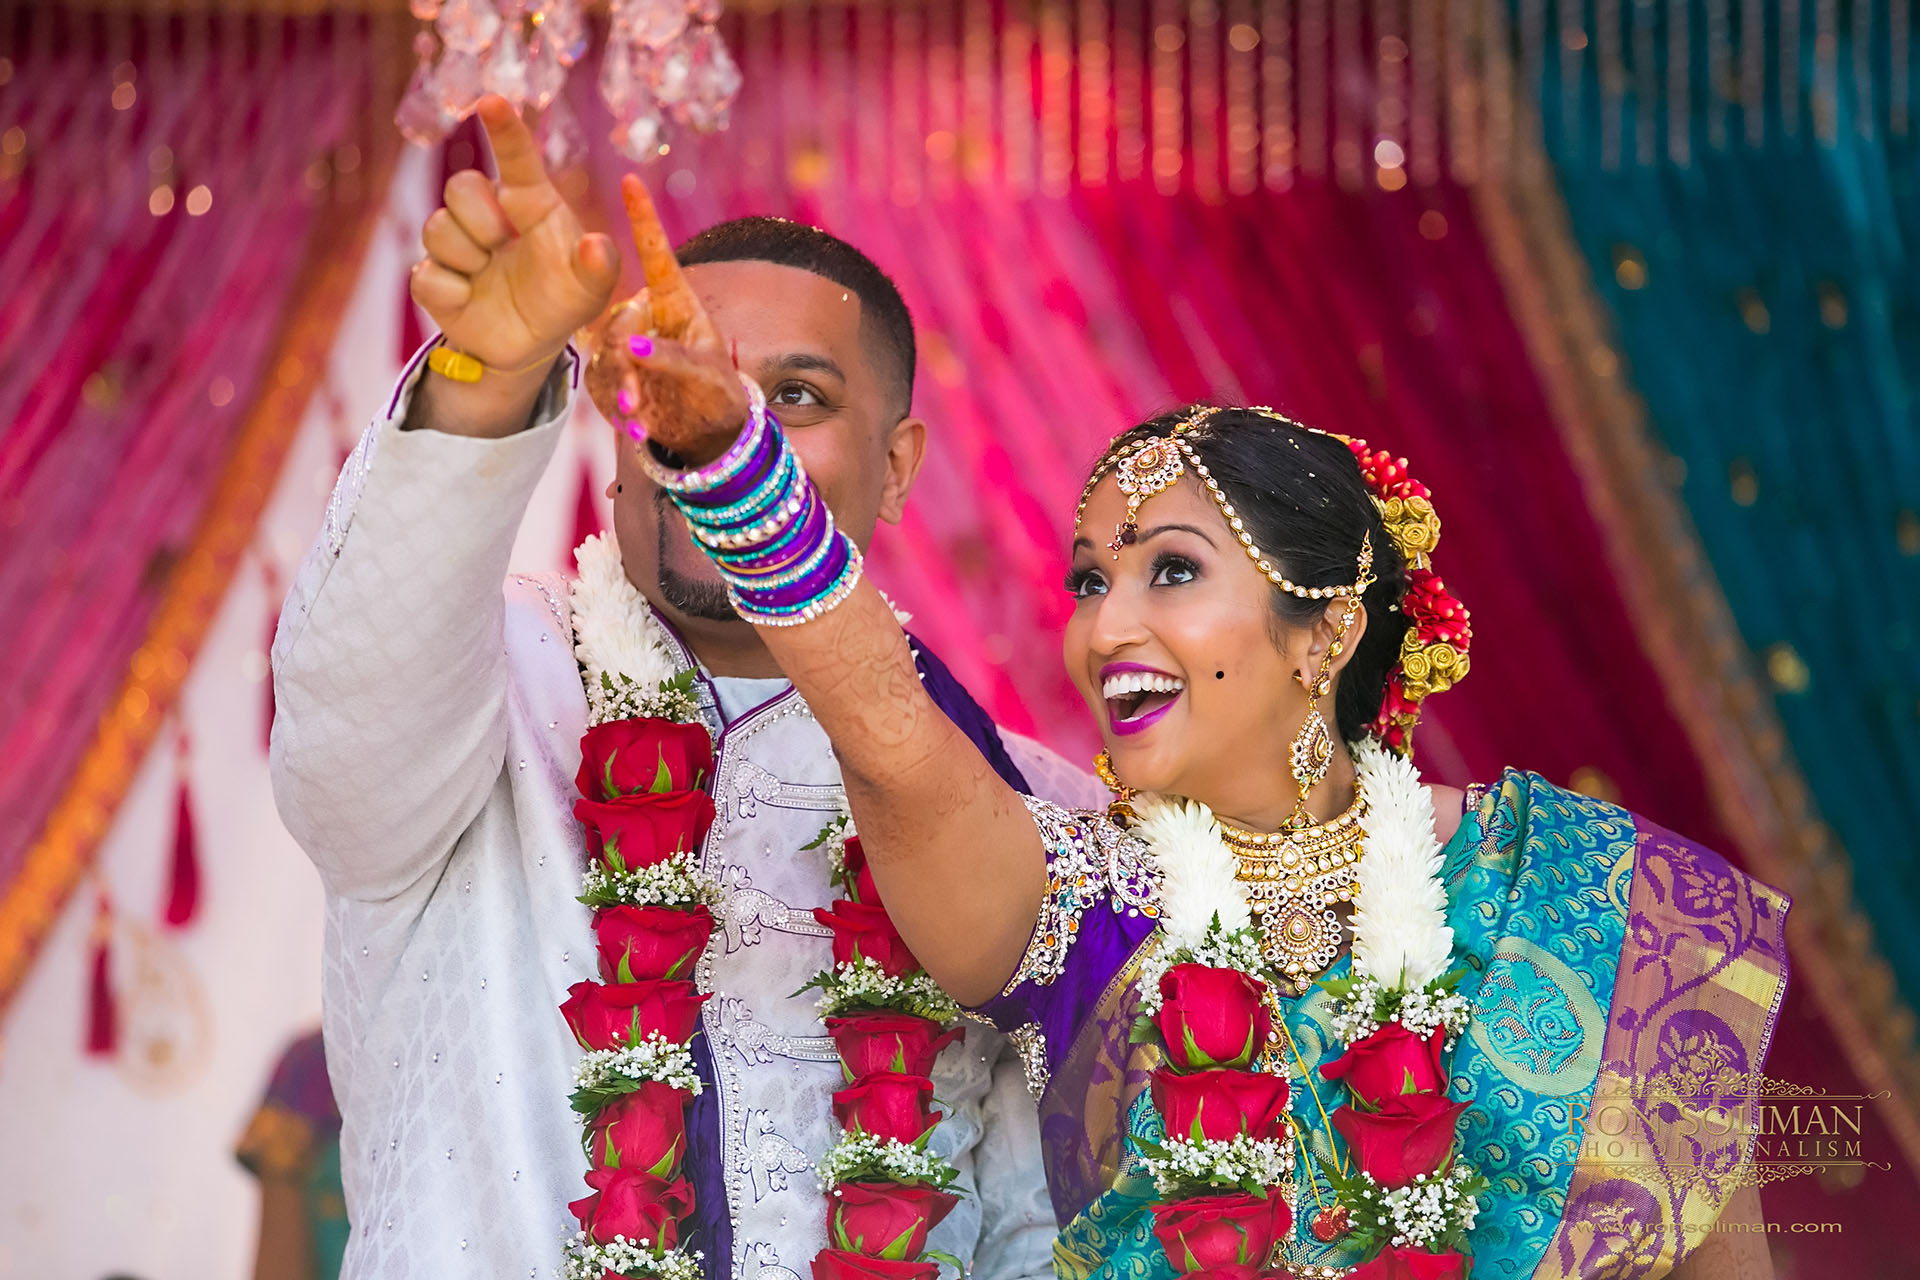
(699, 482)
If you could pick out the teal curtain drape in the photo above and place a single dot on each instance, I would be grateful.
(1767, 301)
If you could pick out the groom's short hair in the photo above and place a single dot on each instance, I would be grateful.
(793, 244)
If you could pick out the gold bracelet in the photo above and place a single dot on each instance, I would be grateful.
(461, 367)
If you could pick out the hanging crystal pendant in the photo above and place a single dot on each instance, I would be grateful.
(460, 80)
(663, 59)
(506, 66)
(563, 27)
(652, 23)
(468, 25)
(562, 142)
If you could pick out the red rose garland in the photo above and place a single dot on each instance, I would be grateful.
(885, 1190)
(645, 814)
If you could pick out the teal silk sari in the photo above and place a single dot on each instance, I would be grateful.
(1624, 985)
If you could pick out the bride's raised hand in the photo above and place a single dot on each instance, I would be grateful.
(660, 368)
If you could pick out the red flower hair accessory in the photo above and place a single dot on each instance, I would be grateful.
(1433, 654)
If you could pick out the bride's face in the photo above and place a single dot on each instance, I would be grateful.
(1176, 648)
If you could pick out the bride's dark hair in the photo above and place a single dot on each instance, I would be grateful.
(1301, 496)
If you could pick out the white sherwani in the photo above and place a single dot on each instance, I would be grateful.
(424, 751)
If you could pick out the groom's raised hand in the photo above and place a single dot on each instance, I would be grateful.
(508, 277)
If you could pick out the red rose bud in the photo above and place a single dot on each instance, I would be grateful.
(886, 1105)
(638, 757)
(862, 931)
(1412, 1264)
(639, 1206)
(897, 1042)
(1391, 1062)
(884, 1219)
(644, 1131)
(1410, 1135)
(1219, 1104)
(1212, 1017)
(842, 1264)
(1221, 1231)
(644, 830)
(610, 1015)
(859, 874)
(650, 942)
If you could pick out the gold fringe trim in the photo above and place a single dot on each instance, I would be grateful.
(1689, 632)
(57, 860)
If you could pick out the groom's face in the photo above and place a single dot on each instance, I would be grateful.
(829, 382)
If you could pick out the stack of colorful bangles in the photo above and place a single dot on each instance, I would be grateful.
(754, 511)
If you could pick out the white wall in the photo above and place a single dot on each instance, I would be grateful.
(108, 1168)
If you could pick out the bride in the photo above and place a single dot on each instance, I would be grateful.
(1286, 1008)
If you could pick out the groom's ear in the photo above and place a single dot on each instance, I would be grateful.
(906, 452)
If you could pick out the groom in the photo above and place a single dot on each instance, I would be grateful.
(428, 736)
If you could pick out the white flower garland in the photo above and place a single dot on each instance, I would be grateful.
(1400, 932)
(1401, 939)
(624, 657)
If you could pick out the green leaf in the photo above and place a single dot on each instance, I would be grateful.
(1144, 1030)
(896, 1248)
(625, 970)
(611, 1156)
(606, 778)
(1407, 1085)
(1194, 1055)
(948, 1259)
(662, 778)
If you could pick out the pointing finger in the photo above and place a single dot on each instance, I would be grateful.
(515, 154)
(673, 304)
(526, 194)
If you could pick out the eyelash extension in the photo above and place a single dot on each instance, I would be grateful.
(1076, 580)
(1169, 559)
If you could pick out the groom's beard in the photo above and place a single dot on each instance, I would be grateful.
(691, 597)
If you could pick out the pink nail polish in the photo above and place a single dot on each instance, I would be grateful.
(640, 345)
(626, 401)
(634, 430)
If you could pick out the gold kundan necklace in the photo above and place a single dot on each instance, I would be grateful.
(1293, 878)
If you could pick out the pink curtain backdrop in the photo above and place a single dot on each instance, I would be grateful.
(1053, 314)
(138, 324)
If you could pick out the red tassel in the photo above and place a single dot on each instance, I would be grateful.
(183, 879)
(102, 1016)
(586, 515)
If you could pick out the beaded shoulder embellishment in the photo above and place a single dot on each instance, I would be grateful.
(1088, 859)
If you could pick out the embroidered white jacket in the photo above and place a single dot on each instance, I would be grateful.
(426, 740)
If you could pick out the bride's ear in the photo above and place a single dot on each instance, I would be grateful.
(1321, 635)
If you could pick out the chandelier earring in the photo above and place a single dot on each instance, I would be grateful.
(1312, 753)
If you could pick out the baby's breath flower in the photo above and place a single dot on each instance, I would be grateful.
(655, 1058)
(586, 1260)
(863, 984)
(1237, 1161)
(861, 1157)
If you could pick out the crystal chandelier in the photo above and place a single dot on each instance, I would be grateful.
(663, 62)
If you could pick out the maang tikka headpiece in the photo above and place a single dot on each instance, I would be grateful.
(1153, 464)
(1433, 654)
